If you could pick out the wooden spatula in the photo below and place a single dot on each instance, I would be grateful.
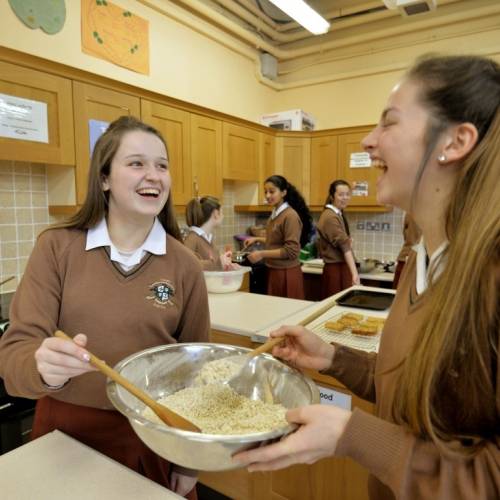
(167, 416)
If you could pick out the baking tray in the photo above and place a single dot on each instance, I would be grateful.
(366, 299)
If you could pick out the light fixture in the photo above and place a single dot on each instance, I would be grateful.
(299, 11)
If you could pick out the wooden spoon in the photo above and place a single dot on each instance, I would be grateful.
(167, 416)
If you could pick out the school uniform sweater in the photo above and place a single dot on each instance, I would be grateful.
(162, 300)
(205, 251)
(404, 466)
(284, 232)
(333, 241)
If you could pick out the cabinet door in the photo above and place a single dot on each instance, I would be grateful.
(174, 125)
(296, 163)
(363, 179)
(240, 148)
(324, 167)
(52, 91)
(95, 103)
(267, 160)
(206, 156)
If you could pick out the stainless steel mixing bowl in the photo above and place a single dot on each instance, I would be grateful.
(163, 370)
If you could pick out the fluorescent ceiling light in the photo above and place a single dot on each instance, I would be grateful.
(304, 15)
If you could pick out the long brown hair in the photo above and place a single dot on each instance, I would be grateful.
(199, 210)
(95, 206)
(448, 382)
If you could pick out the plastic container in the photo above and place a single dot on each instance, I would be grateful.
(225, 281)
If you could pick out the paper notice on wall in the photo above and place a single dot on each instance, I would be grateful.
(335, 398)
(23, 119)
(360, 188)
(360, 160)
(96, 129)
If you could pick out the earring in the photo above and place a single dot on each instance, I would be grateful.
(441, 158)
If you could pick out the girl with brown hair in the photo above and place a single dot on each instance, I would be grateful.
(117, 277)
(288, 228)
(335, 242)
(435, 380)
(203, 215)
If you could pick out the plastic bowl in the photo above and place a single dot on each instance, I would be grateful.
(225, 281)
(163, 370)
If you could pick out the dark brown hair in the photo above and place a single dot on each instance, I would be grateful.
(95, 206)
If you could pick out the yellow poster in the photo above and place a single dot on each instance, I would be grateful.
(115, 34)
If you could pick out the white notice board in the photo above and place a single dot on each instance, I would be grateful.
(23, 119)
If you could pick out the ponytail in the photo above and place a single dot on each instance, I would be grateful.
(199, 210)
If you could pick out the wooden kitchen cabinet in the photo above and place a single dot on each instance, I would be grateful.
(240, 153)
(56, 93)
(267, 160)
(206, 156)
(349, 143)
(95, 103)
(174, 125)
(324, 167)
(294, 162)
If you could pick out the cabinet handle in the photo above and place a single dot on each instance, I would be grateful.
(6, 405)
(196, 187)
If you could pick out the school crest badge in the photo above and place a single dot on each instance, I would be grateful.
(161, 293)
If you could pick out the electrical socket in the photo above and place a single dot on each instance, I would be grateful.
(386, 226)
(360, 226)
(376, 226)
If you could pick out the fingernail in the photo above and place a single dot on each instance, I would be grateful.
(86, 357)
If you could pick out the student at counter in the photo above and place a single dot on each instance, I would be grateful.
(411, 236)
(288, 228)
(435, 380)
(203, 215)
(116, 277)
(335, 243)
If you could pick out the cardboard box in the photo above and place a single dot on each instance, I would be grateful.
(293, 119)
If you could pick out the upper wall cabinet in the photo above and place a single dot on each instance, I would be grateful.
(52, 91)
(362, 178)
(174, 124)
(240, 147)
(206, 156)
(324, 167)
(267, 160)
(294, 158)
(100, 104)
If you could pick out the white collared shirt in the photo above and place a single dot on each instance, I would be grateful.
(436, 264)
(277, 211)
(199, 231)
(155, 243)
(334, 208)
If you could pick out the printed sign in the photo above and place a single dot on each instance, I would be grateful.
(360, 188)
(96, 129)
(336, 398)
(23, 119)
(360, 160)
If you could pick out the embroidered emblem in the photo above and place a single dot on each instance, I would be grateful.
(162, 292)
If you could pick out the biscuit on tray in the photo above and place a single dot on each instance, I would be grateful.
(334, 325)
(365, 329)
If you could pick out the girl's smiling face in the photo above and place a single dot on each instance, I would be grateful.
(274, 195)
(341, 196)
(397, 145)
(139, 180)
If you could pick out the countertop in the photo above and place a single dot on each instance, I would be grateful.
(374, 275)
(246, 313)
(335, 310)
(57, 467)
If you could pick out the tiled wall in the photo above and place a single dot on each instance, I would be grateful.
(23, 214)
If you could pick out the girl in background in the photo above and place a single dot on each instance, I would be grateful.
(335, 243)
(435, 379)
(411, 236)
(118, 278)
(287, 230)
(203, 215)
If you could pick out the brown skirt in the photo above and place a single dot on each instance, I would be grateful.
(335, 278)
(106, 431)
(287, 282)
